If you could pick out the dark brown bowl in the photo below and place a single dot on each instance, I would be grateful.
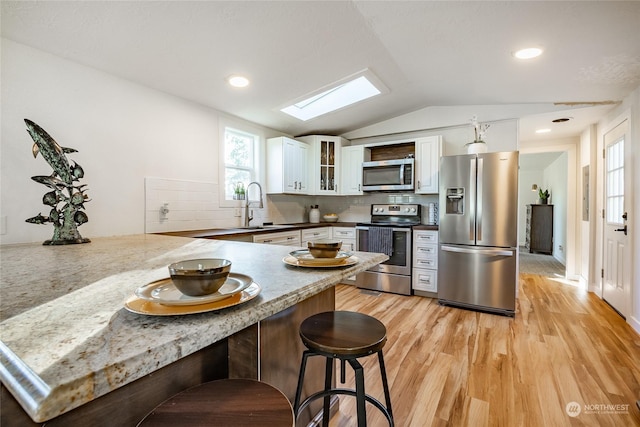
(198, 277)
(324, 248)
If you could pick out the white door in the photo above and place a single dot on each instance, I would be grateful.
(617, 254)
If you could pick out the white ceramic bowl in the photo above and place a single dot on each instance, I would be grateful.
(330, 218)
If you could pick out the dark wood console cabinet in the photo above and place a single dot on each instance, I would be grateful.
(540, 228)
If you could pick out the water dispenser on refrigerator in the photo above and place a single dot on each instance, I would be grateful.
(455, 201)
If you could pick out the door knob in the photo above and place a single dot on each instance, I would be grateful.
(624, 230)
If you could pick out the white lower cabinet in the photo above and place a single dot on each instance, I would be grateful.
(347, 235)
(285, 238)
(311, 234)
(425, 262)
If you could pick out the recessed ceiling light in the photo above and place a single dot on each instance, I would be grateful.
(238, 81)
(543, 131)
(528, 53)
(348, 91)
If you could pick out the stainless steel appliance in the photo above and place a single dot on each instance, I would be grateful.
(388, 232)
(388, 175)
(478, 239)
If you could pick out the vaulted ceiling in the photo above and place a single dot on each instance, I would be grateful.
(427, 53)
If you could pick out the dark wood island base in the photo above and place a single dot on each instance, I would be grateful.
(268, 351)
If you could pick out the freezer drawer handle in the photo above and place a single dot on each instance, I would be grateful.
(495, 252)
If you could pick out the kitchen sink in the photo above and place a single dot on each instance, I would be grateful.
(266, 227)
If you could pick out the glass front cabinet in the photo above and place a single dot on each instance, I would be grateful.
(324, 166)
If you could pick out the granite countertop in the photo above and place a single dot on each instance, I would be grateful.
(213, 233)
(67, 339)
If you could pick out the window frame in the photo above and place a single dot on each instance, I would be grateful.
(258, 157)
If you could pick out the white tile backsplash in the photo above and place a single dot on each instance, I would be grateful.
(193, 205)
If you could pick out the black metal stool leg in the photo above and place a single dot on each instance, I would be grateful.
(360, 394)
(385, 384)
(328, 375)
(303, 366)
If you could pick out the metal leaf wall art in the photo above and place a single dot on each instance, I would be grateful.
(66, 198)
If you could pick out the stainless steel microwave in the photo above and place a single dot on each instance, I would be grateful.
(388, 175)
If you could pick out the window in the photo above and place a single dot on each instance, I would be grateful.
(615, 182)
(239, 160)
(348, 91)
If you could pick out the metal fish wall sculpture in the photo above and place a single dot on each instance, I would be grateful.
(66, 199)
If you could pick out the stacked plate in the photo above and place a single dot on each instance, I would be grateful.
(303, 258)
(162, 298)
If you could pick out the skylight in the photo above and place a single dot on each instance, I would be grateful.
(339, 96)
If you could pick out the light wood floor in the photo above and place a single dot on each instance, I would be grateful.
(454, 367)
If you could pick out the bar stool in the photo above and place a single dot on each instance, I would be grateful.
(229, 402)
(346, 336)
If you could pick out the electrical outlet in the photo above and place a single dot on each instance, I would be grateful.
(3, 224)
(237, 212)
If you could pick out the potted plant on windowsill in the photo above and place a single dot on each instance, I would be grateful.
(544, 196)
(238, 191)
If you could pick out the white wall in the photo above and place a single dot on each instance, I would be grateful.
(526, 197)
(587, 227)
(123, 132)
(555, 180)
(502, 135)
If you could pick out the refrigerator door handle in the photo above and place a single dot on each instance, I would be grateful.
(471, 207)
(479, 200)
(493, 252)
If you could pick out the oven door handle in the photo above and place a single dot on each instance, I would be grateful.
(402, 230)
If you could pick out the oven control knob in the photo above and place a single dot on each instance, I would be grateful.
(413, 209)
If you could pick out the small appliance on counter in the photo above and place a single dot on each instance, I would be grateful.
(432, 214)
(390, 232)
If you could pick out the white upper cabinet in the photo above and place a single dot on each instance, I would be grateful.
(351, 173)
(324, 163)
(287, 171)
(427, 164)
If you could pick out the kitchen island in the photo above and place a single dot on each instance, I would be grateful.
(68, 346)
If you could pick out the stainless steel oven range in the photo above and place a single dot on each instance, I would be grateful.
(388, 232)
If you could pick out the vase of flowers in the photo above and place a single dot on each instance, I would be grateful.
(478, 145)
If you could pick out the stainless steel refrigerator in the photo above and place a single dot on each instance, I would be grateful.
(478, 234)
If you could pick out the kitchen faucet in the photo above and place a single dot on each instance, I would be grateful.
(247, 218)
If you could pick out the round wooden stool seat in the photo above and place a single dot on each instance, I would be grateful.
(343, 333)
(346, 336)
(229, 402)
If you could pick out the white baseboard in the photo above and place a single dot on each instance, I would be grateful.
(635, 323)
